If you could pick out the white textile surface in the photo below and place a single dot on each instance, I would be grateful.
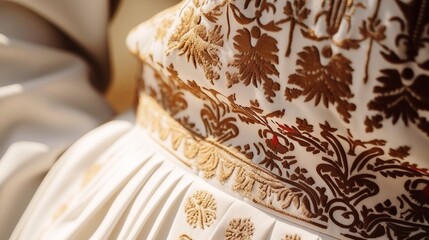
(118, 183)
(46, 103)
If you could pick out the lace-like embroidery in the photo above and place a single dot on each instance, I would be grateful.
(239, 229)
(200, 209)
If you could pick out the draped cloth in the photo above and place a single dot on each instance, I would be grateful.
(50, 52)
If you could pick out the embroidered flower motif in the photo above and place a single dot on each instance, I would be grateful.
(170, 97)
(255, 63)
(240, 229)
(401, 152)
(350, 183)
(198, 44)
(412, 26)
(296, 15)
(421, 196)
(162, 29)
(208, 159)
(200, 209)
(329, 84)
(335, 12)
(419, 202)
(374, 30)
(401, 96)
(343, 190)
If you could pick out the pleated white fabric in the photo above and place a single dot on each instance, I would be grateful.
(118, 183)
(41, 115)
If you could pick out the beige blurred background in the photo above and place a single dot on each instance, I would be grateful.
(121, 93)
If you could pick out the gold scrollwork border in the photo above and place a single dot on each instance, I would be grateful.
(219, 163)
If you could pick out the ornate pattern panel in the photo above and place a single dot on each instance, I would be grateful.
(318, 110)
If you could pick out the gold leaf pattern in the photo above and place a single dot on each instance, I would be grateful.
(226, 171)
(329, 84)
(297, 154)
(200, 209)
(161, 32)
(198, 44)
(208, 159)
(240, 229)
(256, 64)
(233, 170)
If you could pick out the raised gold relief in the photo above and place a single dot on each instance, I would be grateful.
(163, 28)
(200, 209)
(199, 44)
(239, 229)
(215, 160)
(254, 144)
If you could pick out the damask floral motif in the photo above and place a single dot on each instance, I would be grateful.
(374, 30)
(214, 14)
(413, 25)
(198, 44)
(296, 14)
(222, 128)
(342, 188)
(335, 12)
(348, 172)
(329, 84)
(401, 152)
(274, 144)
(239, 229)
(255, 63)
(261, 7)
(163, 28)
(171, 97)
(400, 97)
(214, 114)
(414, 208)
(208, 159)
(200, 209)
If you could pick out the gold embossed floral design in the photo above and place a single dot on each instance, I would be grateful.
(200, 209)
(327, 84)
(199, 44)
(240, 228)
(255, 63)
